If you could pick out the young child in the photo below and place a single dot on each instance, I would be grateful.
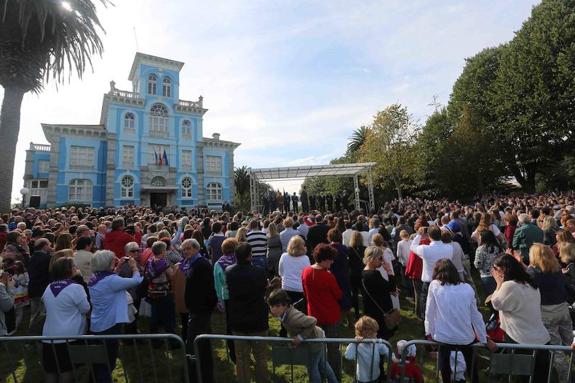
(367, 354)
(301, 327)
(20, 292)
(413, 372)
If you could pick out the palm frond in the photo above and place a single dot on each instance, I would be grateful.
(45, 40)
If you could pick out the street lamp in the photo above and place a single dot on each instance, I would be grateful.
(24, 191)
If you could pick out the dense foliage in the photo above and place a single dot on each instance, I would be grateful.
(509, 122)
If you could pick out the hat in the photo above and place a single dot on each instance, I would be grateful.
(453, 226)
(411, 349)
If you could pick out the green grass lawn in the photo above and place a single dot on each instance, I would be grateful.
(143, 363)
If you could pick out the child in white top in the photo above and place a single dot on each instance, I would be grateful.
(366, 354)
(20, 293)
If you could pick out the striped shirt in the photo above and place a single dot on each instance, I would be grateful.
(258, 241)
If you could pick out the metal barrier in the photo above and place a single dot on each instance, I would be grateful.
(283, 353)
(141, 358)
(510, 360)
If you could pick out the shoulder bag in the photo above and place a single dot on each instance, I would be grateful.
(391, 317)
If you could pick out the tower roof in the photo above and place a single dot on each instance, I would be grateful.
(142, 58)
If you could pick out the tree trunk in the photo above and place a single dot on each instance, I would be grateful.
(9, 129)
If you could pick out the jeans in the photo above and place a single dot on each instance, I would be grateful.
(445, 367)
(416, 293)
(201, 324)
(36, 316)
(103, 372)
(319, 367)
(244, 351)
(333, 355)
(423, 299)
(260, 262)
(489, 285)
(163, 314)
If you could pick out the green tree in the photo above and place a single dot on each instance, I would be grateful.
(534, 90)
(39, 40)
(389, 143)
(431, 149)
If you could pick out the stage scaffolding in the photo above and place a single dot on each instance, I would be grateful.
(301, 172)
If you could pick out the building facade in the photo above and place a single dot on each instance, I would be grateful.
(148, 149)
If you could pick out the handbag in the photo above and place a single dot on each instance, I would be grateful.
(391, 317)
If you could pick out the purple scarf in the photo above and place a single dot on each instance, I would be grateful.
(98, 276)
(58, 286)
(227, 260)
(155, 268)
(186, 264)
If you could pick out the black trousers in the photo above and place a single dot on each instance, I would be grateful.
(201, 324)
(443, 360)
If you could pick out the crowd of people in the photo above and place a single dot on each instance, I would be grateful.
(100, 271)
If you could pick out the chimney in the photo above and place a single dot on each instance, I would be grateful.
(216, 136)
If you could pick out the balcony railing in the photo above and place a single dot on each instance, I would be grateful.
(39, 147)
(125, 97)
(190, 106)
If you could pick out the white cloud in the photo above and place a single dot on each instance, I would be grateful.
(289, 80)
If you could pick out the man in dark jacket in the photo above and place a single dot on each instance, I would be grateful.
(200, 297)
(317, 234)
(38, 271)
(247, 286)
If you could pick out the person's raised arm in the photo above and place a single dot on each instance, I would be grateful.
(416, 247)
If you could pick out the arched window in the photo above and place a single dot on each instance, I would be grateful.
(129, 121)
(127, 186)
(186, 187)
(159, 119)
(167, 87)
(158, 181)
(152, 80)
(80, 191)
(187, 128)
(214, 191)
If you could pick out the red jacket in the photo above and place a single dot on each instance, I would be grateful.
(414, 267)
(412, 371)
(116, 240)
(322, 294)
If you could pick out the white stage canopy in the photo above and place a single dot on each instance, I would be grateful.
(301, 172)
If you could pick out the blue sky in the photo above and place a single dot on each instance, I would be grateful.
(290, 80)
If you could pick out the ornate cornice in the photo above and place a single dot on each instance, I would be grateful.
(53, 131)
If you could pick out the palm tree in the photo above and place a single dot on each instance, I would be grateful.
(357, 139)
(39, 40)
(242, 180)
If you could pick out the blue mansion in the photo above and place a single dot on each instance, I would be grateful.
(148, 149)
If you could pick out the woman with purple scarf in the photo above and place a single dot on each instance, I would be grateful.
(159, 273)
(109, 296)
(66, 307)
(228, 258)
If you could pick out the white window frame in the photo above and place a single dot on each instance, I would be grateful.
(187, 129)
(167, 87)
(187, 185)
(128, 156)
(80, 190)
(130, 121)
(186, 159)
(152, 84)
(82, 157)
(214, 165)
(214, 191)
(127, 187)
(159, 120)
